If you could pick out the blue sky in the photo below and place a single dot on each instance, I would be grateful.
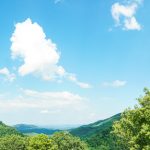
(72, 61)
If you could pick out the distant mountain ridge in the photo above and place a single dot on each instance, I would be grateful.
(84, 131)
(27, 129)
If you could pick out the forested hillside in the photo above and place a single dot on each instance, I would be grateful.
(98, 134)
(7, 130)
(86, 131)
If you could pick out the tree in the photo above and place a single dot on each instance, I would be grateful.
(133, 129)
(7, 130)
(41, 142)
(66, 141)
(13, 142)
(58, 141)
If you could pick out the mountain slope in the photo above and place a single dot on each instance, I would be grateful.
(7, 130)
(97, 134)
(28, 129)
(94, 128)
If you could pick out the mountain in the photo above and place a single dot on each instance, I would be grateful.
(32, 129)
(94, 128)
(97, 134)
(7, 130)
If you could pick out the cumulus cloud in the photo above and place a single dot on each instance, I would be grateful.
(40, 55)
(6, 73)
(124, 14)
(115, 84)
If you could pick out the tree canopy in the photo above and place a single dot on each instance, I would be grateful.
(58, 141)
(133, 129)
(13, 142)
(66, 141)
(7, 130)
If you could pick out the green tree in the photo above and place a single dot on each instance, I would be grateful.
(41, 142)
(58, 141)
(13, 142)
(66, 141)
(133, 129)
(7, 130)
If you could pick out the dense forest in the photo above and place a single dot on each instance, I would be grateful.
(127, 131)
(98, 135)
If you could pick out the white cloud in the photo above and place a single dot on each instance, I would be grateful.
(9, 76)
(50, 111)
(124, 14)
(115, 84)
(44, 111)
(40, 55)
(73, 78)
(84, 85)
(59, 106)
(127, 11)
(43, 100)
(132, 24)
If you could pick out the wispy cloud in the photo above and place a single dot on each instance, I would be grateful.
(40, 55)
(73, 78)
(45, 111)
(60, 103)
(6, 73)
(43, 100)
(115, 84)
(124, 14)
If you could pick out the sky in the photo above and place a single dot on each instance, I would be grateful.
(68, 62)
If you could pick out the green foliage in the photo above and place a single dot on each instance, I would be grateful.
(94, 128)
(41, 142)
(133, 130)
(98, 135)
(59, 141)
(66, 141)
(103, 141)
(7, 130)
(13, 142)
